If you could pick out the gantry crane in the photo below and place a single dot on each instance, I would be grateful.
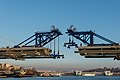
(27, 50)
(92, 50)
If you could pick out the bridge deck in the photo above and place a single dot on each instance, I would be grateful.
(25, 52)
(99, 51)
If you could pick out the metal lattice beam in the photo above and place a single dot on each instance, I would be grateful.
(87, 37)
(41, 38)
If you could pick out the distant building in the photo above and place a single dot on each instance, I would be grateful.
(78, 73)
(88, 74)
(0, 66)
(23, 72)
(3, 66)
(10, 68)
(7, 65)
(108, 73)
(17, 67)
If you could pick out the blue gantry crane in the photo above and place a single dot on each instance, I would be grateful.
(34, 47)
(41, 38)
(110, 49)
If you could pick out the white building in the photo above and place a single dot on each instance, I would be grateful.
(108, 73)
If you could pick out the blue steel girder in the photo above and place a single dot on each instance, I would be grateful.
(41, 38)
(82, 36)
(87, 37)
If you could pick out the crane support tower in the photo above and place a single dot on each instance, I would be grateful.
(110, 49)
(27, 50)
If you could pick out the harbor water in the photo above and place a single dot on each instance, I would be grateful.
(67, 78)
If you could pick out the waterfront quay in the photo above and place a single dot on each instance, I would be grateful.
(7, 70)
